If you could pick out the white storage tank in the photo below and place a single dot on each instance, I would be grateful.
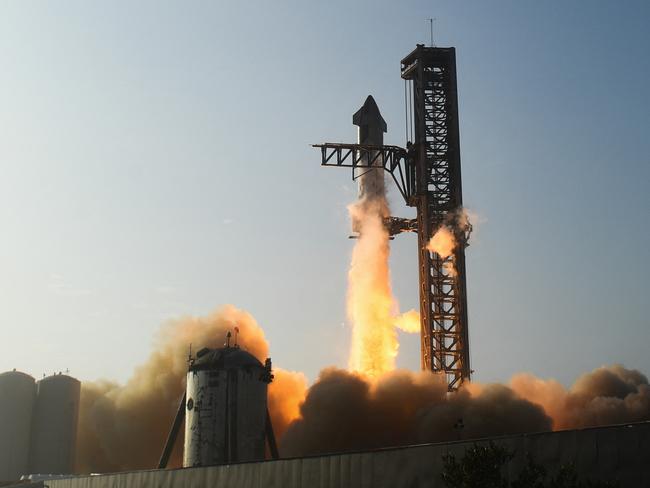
(54, 428)
(225, 407)
(17, 397)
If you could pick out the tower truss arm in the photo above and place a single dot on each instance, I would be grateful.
(363, 157)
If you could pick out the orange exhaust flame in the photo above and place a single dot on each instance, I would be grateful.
(408, 322)
(370, 300)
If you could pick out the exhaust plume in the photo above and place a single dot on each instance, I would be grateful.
(123, 427)
(370, 300)
(372, 309)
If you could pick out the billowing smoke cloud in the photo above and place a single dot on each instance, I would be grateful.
(125, 426)
(373, 405)
(607, 395)
(347, 411)
(443, 242)
(286, 394)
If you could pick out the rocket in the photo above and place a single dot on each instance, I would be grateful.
(372, 126)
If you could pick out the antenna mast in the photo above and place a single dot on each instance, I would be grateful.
(431, 29)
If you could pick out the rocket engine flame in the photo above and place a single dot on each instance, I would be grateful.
(370, 300)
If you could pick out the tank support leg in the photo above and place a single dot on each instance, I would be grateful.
(173, 433)
(270, 437)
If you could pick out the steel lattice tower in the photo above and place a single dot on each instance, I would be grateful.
(443, 296)
(428, 176)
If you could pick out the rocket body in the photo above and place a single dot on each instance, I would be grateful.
(372, 187)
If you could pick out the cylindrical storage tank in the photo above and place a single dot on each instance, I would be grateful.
(54, 428)
(225, 407)
(17, 397)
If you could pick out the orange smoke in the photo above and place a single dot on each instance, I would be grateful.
(346, 411)
(124, 427)
(286, 394)
(607, 395)
(408, 322)
(443, 242)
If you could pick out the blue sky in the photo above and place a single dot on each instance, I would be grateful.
(155, 162)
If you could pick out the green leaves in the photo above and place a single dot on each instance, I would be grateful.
(482, 467)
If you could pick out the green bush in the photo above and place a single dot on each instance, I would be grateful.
(482, 466)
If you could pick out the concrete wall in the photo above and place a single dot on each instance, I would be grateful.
(617, 452)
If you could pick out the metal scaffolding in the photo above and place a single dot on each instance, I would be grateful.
(427, 174)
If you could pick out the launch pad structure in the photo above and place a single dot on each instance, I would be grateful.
(427, 174)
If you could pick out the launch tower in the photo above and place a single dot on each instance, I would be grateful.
(427, 174)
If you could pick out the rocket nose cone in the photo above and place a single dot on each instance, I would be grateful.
(369, 115)
(370, 104)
